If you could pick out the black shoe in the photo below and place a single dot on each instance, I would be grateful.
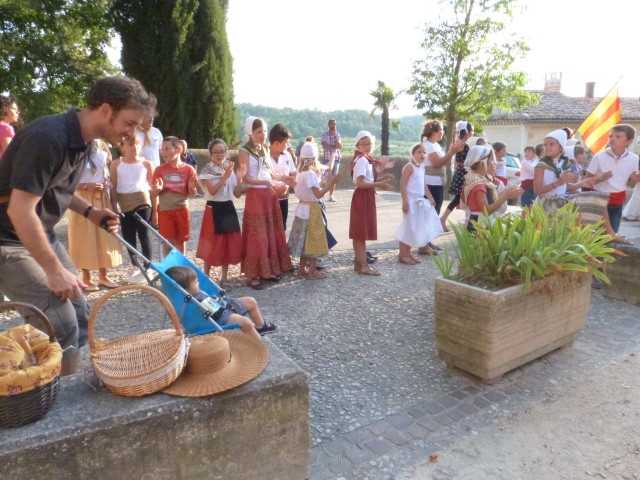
(267, 328)
(319, 266)
(274, 279)
(371, 258)
(596, 283)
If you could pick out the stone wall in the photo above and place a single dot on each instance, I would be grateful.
(258, 430)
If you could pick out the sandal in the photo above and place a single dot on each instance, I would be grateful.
(224, 285)
(356, 266)
(256, 284)
(433, 246)
(426, 251)
(316, 276)
(414, 258)
(406, 260)
(622, 239)
(367, 270)
(444, 226)
(107, 284)
(91, 288)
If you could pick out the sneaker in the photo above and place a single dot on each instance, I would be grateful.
(267, 328)
(332, 199)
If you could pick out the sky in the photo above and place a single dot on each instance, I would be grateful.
(329, 54)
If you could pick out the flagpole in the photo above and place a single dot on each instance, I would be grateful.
(598, 104)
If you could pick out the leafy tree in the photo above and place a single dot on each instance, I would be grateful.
(179, 50)
(384, 100)
(466, 69)
(52, 51)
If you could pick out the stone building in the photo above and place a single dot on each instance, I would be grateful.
(554, 110)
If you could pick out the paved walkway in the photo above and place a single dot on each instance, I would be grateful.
(380, 398)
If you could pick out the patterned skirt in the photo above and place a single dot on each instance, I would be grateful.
(218, 249)
(264, 244)
(363, 223)
(308, 237)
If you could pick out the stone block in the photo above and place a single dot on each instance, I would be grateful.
(624, 274)
(258, 430)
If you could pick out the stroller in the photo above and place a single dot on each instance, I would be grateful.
(195, 317)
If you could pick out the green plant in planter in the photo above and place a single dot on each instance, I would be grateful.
(515, 250)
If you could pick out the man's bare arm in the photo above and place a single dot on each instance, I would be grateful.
(22, 212)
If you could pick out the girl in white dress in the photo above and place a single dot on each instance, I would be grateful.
(631, 212)
(420, 222)
(308, 237)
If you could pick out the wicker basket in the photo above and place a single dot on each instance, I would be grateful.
(140, 364)
(27, 407)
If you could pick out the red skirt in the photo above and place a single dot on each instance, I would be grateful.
(218, 249)
(264, 243)
(363, 223)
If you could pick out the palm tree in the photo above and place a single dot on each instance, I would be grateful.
(384, 101)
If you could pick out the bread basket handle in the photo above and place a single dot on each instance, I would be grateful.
(47, 324)
(126, 288)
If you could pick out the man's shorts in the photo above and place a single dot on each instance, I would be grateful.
(175, 224)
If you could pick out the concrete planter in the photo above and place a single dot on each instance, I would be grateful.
(490, 333)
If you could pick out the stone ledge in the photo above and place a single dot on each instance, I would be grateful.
(260, 429)
(624, 274)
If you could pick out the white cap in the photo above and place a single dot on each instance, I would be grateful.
(559, 135)
(248, 126)
(477, 153)
(363, 133)
(309, 150)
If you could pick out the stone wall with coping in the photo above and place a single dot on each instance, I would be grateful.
(258, 430)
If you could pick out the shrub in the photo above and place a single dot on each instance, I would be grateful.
(515, 250)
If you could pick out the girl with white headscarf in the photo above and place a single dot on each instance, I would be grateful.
(551, 175)
(480, 193)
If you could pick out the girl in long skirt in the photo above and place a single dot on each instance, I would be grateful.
(308, 237)
(220, 242)
(363, 224)
(91, 247)
(264, 254)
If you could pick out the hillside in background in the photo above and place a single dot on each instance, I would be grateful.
(314, 122)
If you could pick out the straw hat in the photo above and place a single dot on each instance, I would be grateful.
(218, 362)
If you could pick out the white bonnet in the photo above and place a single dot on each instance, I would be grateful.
(559, 135)
(477, 153)
(309, 150)
(363, 133)
(248, 126)
(461, 124)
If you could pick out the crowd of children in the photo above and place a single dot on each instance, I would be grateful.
(269, 172)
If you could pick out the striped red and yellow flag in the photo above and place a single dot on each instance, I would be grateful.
(595, 129)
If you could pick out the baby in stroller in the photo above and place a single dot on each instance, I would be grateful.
(226, 309)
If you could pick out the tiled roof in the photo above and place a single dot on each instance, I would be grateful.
(557, 107)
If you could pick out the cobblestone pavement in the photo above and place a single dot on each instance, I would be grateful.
(380, 398)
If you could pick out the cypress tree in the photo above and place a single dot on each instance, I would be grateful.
(179, 50)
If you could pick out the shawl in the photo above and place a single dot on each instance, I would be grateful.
(261, 154)
(472, 179)
(548, 164)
